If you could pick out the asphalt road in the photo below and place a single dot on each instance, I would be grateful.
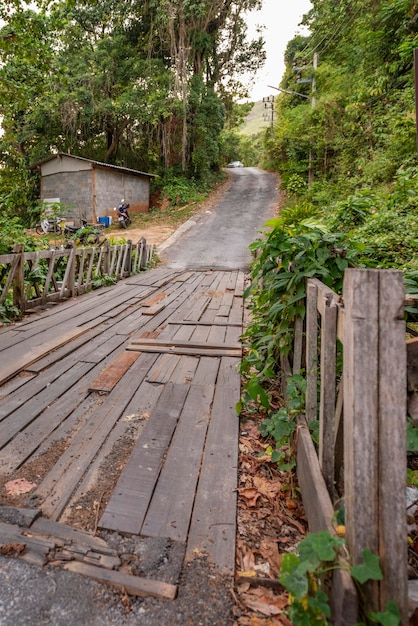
(219, 238)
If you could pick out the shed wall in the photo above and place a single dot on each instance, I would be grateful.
(111, 187)
(74, 190)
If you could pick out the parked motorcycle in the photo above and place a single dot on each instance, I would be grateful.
(85, 234)
(123, 215)
(49, 225)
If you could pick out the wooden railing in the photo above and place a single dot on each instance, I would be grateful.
(36, 278)
(361, 458)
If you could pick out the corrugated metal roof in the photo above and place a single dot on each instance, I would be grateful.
(118, 168)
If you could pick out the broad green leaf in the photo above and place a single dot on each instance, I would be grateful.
(369, 569)
(391, 617)
(293, 576)
(319, 547)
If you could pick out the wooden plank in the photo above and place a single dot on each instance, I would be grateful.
(48, 528)
(112, 374)
(133, 585)
(298, 343)
(137, 412)
(155, 299)
(170, 509)
(215, 322)
(192, 351)
(327, 393)
(213, 523)
(186, 344)
(320, 513)
(392, 442)
(57, 487)
(163, 368)
(17, 515)
(59, 354)
(361, 459)
(28, 440)
(17, 358)
(127, 507)
(27, 413)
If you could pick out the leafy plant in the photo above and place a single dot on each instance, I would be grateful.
(306, 577)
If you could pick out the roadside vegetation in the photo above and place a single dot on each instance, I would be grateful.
(347, 156)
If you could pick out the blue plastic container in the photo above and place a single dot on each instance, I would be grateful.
(105, 220)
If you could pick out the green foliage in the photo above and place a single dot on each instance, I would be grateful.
(8, 312)
(289, 255)
(104, 281)
(12, 233)
(411, 436)
(306, 577)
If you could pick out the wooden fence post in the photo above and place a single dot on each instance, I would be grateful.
(327, 395)
(361, 352)
(106, 258)
(19, 278)
(392, 442)
(374, 429)
(311, 352)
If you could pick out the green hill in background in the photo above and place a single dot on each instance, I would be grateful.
(255, 122)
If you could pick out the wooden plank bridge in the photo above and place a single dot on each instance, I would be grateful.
(118, 408)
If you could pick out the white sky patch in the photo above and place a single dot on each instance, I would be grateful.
(281, 19)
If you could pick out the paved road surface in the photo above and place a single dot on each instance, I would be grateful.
(220, 238)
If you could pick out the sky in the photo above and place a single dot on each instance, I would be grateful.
(281, 19)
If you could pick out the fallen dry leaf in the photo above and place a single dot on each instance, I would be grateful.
(264, 601)
(270, 551)
(250, 494)
(268, 488)
(19, 486)
(12, 549)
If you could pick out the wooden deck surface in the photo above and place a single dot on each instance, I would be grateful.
(151, 362)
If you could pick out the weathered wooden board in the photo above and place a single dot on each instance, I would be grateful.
(199, 345)
(186, 350)
(213, 524)
(112, 374)
(19, 357)
(55, 530)
(57, 487)
(172, 502)
(17, 515)
(163, 368)
(133, 585)
(27, 413)
(127, 507)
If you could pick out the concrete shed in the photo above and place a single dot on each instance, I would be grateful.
(89, 189)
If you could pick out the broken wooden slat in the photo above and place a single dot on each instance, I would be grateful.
(133, 585)
(20, 516)
(112, 374)
(320, 513)
(49, 528)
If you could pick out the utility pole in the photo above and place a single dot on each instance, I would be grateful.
(299, 79)
(269, 104)
(313, 103)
